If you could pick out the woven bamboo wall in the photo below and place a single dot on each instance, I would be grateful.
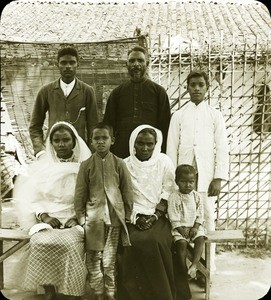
(239, 87)
(27, 66)
(240, 82)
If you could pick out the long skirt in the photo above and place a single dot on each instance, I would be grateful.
(145, 270)
(56, 257)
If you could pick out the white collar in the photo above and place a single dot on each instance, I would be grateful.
(64, 84)
(202, 103)
(67, 87)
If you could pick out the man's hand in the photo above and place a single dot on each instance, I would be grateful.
(54, 222)
(40, 155)
(214, 187)
(71, 223)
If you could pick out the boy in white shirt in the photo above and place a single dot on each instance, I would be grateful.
(197, 136)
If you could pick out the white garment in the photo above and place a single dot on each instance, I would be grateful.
(185, 209)
(153, 179)
(198, 132)
(48, 185)
(81, 151)
(67, 87)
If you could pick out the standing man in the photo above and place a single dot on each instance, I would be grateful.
(136, 102)
(65, 99)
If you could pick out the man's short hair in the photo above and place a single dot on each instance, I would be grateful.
(139, 49)
(69, 50)
(103, 125)
(197, 73)
(184, 170)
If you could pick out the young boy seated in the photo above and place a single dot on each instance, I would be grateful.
(185, 212)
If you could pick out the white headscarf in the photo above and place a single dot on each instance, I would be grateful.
(48, 185)
(81, 150)
(157, 148)
(152, 179)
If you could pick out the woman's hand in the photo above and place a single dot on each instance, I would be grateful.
(145, 222)
(71, 223)
(54, 222)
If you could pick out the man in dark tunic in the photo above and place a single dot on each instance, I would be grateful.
(136, 102)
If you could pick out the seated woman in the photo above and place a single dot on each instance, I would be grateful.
(44, 197)
(146, 268)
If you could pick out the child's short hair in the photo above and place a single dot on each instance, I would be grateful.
(150, 131)
(184, 169)
(69, 50)
(196, 73)
(62, 127)
(102, 125)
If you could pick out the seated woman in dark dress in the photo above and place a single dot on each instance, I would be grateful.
(146, 268)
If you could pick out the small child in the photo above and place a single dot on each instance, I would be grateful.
(185, 212)
(103, 205)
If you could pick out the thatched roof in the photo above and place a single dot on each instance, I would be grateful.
(94, 21)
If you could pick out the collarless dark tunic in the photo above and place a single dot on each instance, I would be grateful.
(136, 103)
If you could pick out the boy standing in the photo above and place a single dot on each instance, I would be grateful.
(185, 212)
(103, 204)
(197, 136)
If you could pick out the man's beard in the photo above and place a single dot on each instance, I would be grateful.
(137, 73)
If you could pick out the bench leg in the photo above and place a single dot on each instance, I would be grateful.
(208, 266)
(1, 267)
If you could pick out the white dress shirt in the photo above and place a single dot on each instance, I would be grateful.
(197, 134)
(67, 87)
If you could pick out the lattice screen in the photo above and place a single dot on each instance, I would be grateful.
(240, 81)
(240, 84)
(28, 66)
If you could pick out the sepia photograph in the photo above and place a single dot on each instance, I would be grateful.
(135, 150)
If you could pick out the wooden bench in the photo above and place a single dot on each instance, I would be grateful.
(218, 236)
(20, 236)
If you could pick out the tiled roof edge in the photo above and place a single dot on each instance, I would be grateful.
(89, 2)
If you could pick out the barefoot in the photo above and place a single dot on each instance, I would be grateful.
(50, 293)
(192, 271)
(99, 297)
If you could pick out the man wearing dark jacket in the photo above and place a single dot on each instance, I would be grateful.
(65, 99)
(136, 102)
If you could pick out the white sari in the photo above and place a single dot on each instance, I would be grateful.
(48, 185)
(53, 256)
(153, 179)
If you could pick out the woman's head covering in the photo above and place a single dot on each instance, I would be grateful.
(152, 179)
(48, 185)
(157, 148)
(81, 150)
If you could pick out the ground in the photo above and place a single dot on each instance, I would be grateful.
(240, 275)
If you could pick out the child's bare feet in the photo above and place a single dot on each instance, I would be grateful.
(99, 297)
(192, 271)
(50, 293)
